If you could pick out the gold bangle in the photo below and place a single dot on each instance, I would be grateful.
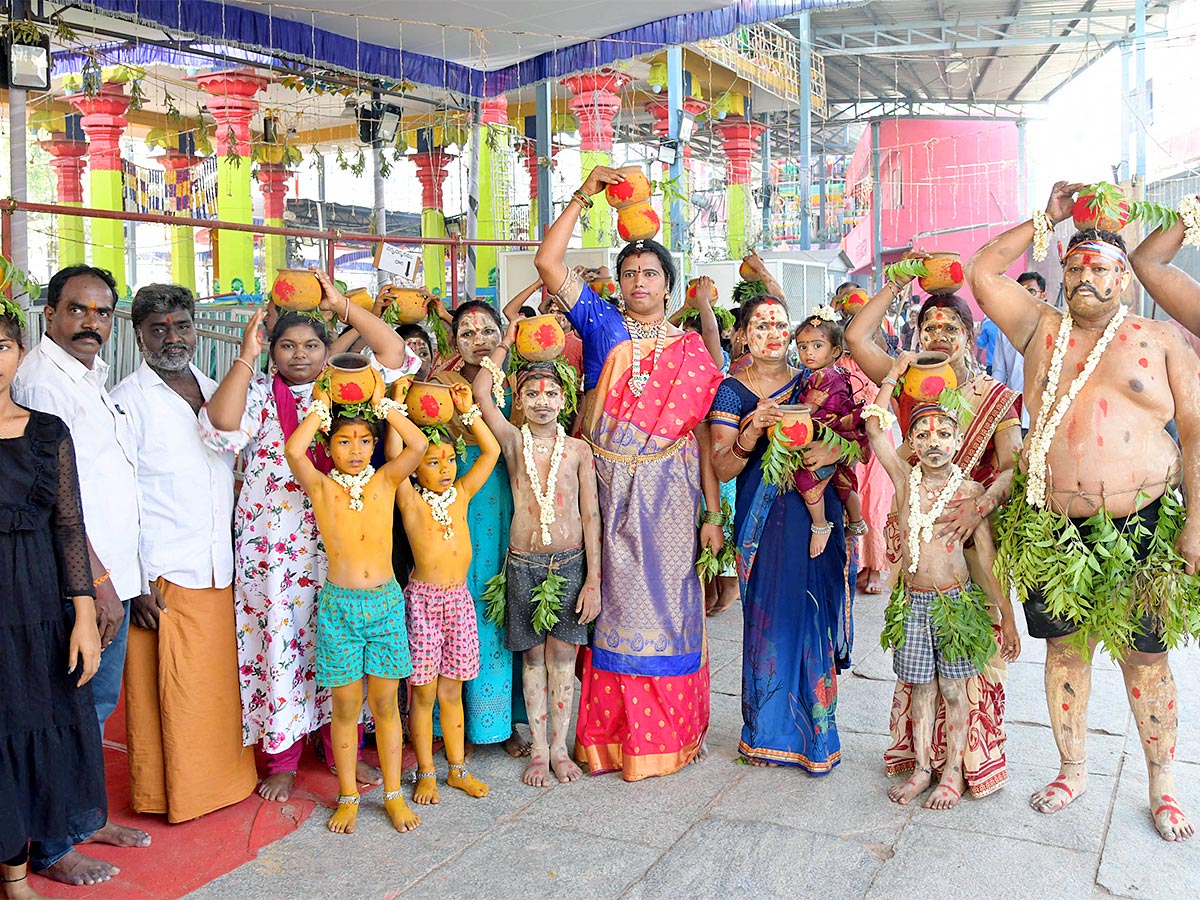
(238, 359)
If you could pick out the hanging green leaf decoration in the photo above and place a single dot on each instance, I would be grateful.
(708, 565)
(548, 602)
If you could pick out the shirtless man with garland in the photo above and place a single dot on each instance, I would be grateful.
(1112, 381)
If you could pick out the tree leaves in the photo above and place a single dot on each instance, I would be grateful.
(906, 268)
(547, 602)
(495, 598)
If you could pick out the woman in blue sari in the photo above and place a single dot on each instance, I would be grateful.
(796, 608)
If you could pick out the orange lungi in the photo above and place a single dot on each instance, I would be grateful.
(183, 708)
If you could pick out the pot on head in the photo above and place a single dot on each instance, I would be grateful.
(296, 290)
(361, 297)
(410, 304)
(429, 403)
(945, 274)
(929, 376)
(540, 338)
(352, 379)
(634, 189)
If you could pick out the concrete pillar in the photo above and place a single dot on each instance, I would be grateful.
(595, 102)
(178, 166)
(431, 172)
(67, 159)
(103, 121)
(740, 141)
(231, 103)
(273, 183)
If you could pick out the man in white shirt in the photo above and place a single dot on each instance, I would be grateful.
(184, 731)
(1009, 366)
(64, 375)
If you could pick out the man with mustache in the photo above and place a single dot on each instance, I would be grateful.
(183, 712)
(64, 375)
(1096, 540)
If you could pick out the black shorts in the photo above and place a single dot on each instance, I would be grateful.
(525, 573)
(1044, 625)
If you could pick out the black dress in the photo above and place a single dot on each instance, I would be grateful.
(51, 760)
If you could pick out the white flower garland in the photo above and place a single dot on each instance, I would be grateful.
(497, 380)
(324, 413)
(826, 313)
(920, 524)
(384, 407)
(875, 411)
(544, 497)
(468, 418)
(1051, 414)
(354, 484)
(1043, 231)
(637, 330)
(1189, 211)
(440, 505)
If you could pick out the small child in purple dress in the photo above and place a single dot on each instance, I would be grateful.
(830, 393)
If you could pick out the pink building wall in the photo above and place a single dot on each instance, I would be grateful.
(935, 174)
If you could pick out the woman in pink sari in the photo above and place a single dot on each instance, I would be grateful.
(643, 706)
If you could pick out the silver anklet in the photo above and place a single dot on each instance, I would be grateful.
(857, 528)
(821, 529)
(459, 769)
(348, 800)
(389, 796)
(417, 776)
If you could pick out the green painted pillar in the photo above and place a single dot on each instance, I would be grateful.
(177, 165)
(67, 159)
(272, 181)
(737, 220)
(600, 221)
(493, 214)
(231, 104)
(740, 141)
(102, 117)
(431, 172)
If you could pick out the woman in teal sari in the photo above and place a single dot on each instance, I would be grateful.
(796, 608)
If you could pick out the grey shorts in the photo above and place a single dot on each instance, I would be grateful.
(525, 573)
(918, 658)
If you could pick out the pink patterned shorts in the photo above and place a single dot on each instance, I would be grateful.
(442, 633)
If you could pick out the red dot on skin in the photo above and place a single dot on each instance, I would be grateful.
(1071, 342)
(1078, 367)
(1066, 706)
(1123, 337)
(1137, 694)
(1136, 326)
(1144, 363)
(1171, 704)
(1100, 440)
(1049, 342)
(1103, 406)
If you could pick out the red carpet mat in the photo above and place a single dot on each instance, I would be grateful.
(183, 857)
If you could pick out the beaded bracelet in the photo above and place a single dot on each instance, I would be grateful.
(103, 578)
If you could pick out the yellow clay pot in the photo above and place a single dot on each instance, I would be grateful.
(945, 274)
(296, 290)
(929, 376)
(540, 338)
(411, 306)
(429, 403)
(351, 379)
(795, 429)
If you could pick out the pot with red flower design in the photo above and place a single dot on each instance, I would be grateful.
(689, 296)
(853, 301)
(351, 379)
(929, 376)
(296, 290)
(605, 287)
(361, 297)
(795, 429)
(1102, 207)
(634, 189)
(945, 273)
(409, 304)
(540, 338)
(429, 403)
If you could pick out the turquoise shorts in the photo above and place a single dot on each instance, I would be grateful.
(361, 632)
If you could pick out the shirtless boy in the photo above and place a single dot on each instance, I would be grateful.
(935, 584)
(442, 630)
(555, 529)
(1100, 387)
(360, 628)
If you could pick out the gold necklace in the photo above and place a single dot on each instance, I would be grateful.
(754, 385)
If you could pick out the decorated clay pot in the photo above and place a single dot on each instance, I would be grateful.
(945, 274)
(795, 429)
(853, 301)
(351, 379)
(638, 222)
(410, 304)
(746, 272)
(429, 403)
(634, 189)
(1101, 218)
(689, 296)
(540, 338)
(605, 287)
(929, 376)
(296, 290)
(361, 297)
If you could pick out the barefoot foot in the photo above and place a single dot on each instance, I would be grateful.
(816, 543)
(119, 836)
(760, 763)
(460, 778)
(14, 884)
(345, 817)
(77, 869)
(277, 787)
(426, 793)
(1060, 792)
(701, 754)
(907, 791)
(944, 796)
(537, 772)
(564, 769)
(1170, 821)
(515, 746)
(403, 818)
(874, 583)
(365, 773)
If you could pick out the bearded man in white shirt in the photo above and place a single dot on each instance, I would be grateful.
(64, 375)
(183, 710)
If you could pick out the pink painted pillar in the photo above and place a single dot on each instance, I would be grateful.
(595, 102)
(67, 160)
(102, 117)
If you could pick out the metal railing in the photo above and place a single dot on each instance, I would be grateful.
(769, 57)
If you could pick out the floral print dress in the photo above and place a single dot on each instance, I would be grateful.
(279, 566)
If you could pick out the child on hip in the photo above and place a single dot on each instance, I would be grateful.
(360, 625)
(552, 575)
(935, 584)
(443, 634)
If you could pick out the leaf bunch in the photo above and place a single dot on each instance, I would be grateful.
(906, 268)
(962, 626)
(548, 602)
(495, 598)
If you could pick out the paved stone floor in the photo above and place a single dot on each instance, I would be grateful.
(719, 829)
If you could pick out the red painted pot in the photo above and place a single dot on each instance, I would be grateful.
(795, 429)
(540, 338)
(929, 376)
(945, 274)
(296, 290)
(1101, 218)
(429, 403)
(634, 189)
(351, 379)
